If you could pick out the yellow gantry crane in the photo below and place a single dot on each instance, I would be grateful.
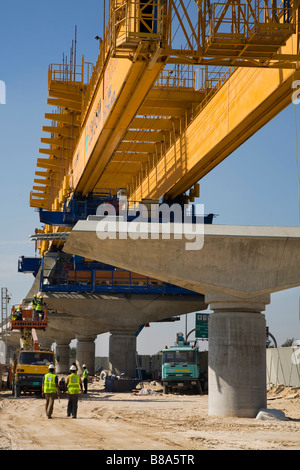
(177, 87)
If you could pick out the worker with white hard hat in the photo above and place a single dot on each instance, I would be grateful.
(50, 389)
(74, 386)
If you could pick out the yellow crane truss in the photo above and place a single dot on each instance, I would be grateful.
(178, 85)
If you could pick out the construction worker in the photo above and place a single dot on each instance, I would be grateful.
(15, 315)
(40, 308)
(74, 385)
(62, 386)
(85, 377)
(50, 390)
(19, 313)
(34, 306)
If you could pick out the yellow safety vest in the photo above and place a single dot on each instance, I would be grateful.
(40, 306)
(49, 383)
(74, 384)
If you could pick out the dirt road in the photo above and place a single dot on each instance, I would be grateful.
(124, 421)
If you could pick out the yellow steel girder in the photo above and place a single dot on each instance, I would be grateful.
(247, 100)
(123, 131)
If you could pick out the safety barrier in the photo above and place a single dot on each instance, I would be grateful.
(283, 366)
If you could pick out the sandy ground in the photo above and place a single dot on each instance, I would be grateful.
(127, 421)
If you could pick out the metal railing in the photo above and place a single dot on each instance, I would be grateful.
(137, 20)
(29, 319)
(178, 77)
(71, 73)
(210, 80)
(239, 20)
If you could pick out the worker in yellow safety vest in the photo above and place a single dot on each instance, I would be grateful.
(74, 386)
(34, 302)
(19, 313)
(50, 390)
(15, 314)
(85, 377)
(39, 309)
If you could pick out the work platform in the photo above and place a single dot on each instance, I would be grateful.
(29, 320)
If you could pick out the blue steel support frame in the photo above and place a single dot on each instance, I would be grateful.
(63, 278)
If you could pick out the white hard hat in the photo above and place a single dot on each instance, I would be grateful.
(83, 365)
(51, 366)
(73, 368)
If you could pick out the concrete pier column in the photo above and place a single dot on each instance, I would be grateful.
(86, 353)
(237, 355)
(62, 358)
(122, 353)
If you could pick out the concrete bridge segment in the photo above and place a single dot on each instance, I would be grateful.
(237, 269)
(88, 315)
(83, 316)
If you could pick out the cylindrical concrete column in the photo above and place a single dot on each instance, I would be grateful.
(62, 356)
(85, 354)
(122, 353)
(237, 359)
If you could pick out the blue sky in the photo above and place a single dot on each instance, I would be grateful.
(256, 185)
